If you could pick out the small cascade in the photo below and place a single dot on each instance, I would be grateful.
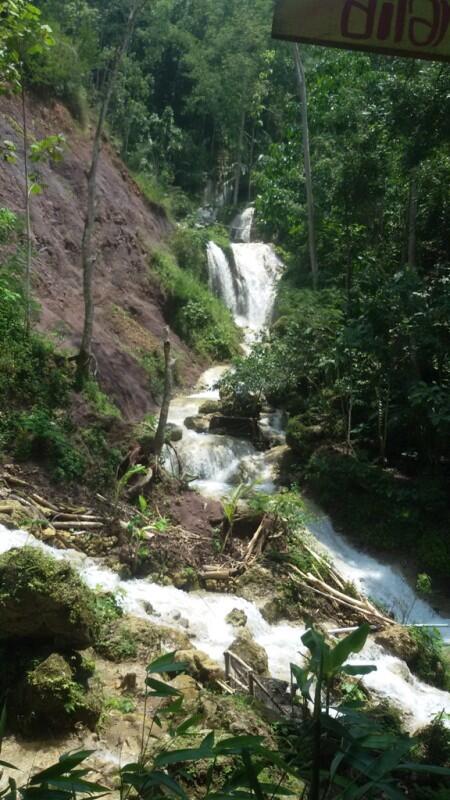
(221, 280)
(247, 283)
(207, 612)
(258, 271)
(241, 227)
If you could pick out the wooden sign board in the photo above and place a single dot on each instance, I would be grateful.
(414, 28)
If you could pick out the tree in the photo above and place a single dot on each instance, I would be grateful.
(22, 38)
(301, 80)
(87, 251)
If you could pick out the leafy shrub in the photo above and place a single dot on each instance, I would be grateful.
(99, 401)
(429, 663)
(42, 436)
(200, 319)
(378, 509)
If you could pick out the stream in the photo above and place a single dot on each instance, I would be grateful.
(248, 286)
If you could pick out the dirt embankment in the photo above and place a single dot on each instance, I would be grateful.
(129, 318)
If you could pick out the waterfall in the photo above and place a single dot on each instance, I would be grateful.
(247, 283)
(241, 227)
(221, 280)
(258, 271)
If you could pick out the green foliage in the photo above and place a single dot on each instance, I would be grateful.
(41, 436)
(99, 401)
(429, 661)
(200, 319)
(379, 509)
(124, 704)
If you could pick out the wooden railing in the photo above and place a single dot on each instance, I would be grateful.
(242, 677)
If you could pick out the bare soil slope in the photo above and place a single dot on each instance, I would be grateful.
(129, 304)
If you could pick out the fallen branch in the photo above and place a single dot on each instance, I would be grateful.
(43, 502)
(67, 526)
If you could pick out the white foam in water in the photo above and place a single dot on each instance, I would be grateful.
(206, 614)
(382, 582)
(219, 463)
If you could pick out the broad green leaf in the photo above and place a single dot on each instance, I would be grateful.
(167, 663)
(353, 643)
(355, 669)
(66, 763)
(161, 689)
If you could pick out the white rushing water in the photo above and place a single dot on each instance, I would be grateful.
(219, 463)
(241, 227)
(206, 613)
(247, 283)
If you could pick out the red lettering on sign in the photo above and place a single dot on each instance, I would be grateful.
(356, 12)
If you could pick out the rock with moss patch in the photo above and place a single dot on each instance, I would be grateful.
(399, 642)
(200, 666)
(251, 652)
(43, 599)
(49, 697)
(237, 618)
(199, 424)
(210, 407)
(132, 638)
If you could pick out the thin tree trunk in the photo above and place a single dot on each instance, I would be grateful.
(412, 222)
(237, 179)
(87, 253)
(301, 79)
(167, 397)
(27, 281)
(250, 166)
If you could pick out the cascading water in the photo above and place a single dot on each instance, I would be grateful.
(247, 283)
(211, 633)
(241, 227)
(219, 463)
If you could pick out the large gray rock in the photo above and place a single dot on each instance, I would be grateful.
(241, 427)
(42, 599)
(199, 424)
(251, 652)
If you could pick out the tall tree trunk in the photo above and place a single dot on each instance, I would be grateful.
(87, 252)
(167, 397)
(250, 163)
(301, 80)
(27, 201)
(412, 222)
(237, 178)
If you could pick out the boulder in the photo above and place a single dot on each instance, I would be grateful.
(199, 424)
(133, 638)
(174, 433)
(43, 599)
(200, 666)
(210, 407)
(50, 698)
(399, 642)
(188, 687)
(241, 427)
(252, 653)
(237, 618)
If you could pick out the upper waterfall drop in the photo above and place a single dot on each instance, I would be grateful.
(221, 281)
(241, 227)
(247, 282)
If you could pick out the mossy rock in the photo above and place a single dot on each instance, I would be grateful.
(210, 407)
(50, 698)
(237, 618)
(132, 638)
(42, 599)
(251, 652)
